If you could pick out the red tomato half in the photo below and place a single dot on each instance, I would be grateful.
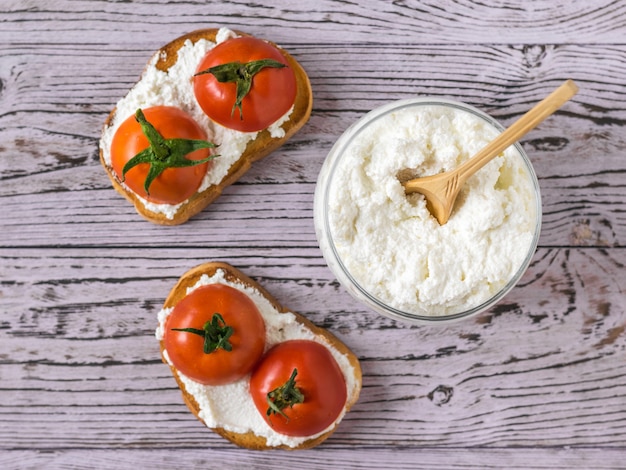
(174, 185)
(319, 379)
(272, 93)
(219, 367)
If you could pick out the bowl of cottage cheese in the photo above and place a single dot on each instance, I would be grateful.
(386, 248)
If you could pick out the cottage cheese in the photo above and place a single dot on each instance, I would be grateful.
(230, 406)
(392, 246)
(175, 88)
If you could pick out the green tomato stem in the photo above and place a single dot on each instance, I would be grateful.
(287, 395)
(241, 74)
(216, 334)
(163, 153)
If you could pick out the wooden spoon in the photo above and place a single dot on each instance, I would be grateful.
(442, 189)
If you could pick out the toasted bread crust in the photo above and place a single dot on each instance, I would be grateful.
(256, 149)
(250, 440)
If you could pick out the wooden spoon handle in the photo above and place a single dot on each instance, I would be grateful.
(521, 127)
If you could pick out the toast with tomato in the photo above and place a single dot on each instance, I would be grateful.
(177, 183)
(275, 369)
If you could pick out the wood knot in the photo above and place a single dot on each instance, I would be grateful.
(586, 232)
(441, 395)
(549, 144)
(533, 56)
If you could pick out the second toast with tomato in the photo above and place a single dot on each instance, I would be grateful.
(215, 155)
(254, 372)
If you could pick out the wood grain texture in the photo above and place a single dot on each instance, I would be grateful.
(576, 153)
(448, 21)
(538, 381)
(85, 343)
(400, 459)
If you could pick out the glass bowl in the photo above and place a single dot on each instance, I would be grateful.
(393, 268)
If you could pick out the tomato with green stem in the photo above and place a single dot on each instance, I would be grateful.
(215, 335)
(161, 153)
(299, 388)
(245, 84)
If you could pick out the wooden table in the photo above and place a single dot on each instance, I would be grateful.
(538, 381)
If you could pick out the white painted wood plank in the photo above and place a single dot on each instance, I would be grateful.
(53, 177)
(432, 22)
(205, 457)
(545, 367)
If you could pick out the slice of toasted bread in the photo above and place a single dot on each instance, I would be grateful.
(262, 145)
(249, 439)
